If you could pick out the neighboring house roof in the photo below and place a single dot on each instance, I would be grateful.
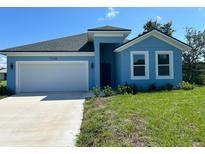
(109, 28)
(75, 43)
(4, 70)
(158, 34)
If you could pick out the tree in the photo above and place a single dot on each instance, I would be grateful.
(192, 59)
(150, 25)
(165, 28)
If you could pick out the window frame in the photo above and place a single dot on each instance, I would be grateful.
(171, 68)
(146, 55)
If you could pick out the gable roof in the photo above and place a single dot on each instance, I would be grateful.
(109, 28)
(75, 43)
(158, 34)
(3, 70)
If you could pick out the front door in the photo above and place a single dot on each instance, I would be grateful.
(105, 74)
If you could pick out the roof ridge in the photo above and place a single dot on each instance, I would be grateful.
(108, 28)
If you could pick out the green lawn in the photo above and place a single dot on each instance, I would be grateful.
(2, 96)
(4, 84)
(169, 118)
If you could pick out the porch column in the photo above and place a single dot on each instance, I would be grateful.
(97, 63)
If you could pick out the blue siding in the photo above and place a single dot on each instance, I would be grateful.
(121, 62)
(119, 73)
(150, 44)
(11, 78)
(97, 41)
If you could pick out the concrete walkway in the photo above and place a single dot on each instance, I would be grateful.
(41, 119)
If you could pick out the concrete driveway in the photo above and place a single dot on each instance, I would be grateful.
(41, 119)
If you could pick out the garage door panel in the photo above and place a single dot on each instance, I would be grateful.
(51, 77)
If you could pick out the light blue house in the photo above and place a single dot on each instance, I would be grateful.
(101, 56)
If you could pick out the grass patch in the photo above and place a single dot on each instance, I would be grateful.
(3, 96)
(167, 118)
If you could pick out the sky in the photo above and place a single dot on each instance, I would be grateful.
(19, 26)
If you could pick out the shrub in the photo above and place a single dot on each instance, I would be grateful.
(107, 90)
(127, 89)
(162, 88)
(152, 87)
(186, 86)
(168, 86)
(96, 91)
(4, 91)
(135, 89)
(120, 89)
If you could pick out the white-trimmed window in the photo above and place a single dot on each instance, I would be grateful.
(139, 65)
(164, 64)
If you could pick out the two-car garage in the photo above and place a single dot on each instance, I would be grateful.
(52, 76)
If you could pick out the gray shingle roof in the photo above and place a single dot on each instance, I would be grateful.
(73, 43)
(108, 28)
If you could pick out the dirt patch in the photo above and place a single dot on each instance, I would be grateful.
(138, 138)
(100, 103)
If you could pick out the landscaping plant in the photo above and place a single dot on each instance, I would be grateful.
(127, 89)
(186, 86)
(120, 89)
(169, 86)
(135, 89)
(96, 91)
(4, 90)
(107, 91)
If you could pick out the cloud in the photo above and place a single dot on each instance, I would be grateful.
(101, 19)
(158, 18)
(3, 61)
(111, 13)
(2, 65)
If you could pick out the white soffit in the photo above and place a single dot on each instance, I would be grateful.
(91, 34)
(48, 53)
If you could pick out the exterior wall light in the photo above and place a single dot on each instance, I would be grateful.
(11, 66)
(92, 65)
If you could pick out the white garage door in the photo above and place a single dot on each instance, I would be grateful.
(52, 76)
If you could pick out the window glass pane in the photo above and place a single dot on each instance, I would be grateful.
(139, 59)
(163, 59)
(163, 70)
(139, 70)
